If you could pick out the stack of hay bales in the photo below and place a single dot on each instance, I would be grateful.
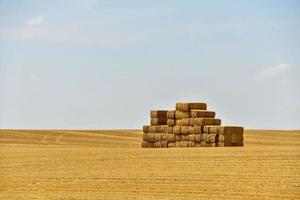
(190, 125)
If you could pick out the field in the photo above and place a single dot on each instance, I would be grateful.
(111, 165)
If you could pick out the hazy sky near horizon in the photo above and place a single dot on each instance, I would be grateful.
(92, 64)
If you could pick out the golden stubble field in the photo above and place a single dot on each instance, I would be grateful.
(111, 165)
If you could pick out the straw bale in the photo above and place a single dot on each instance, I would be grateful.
(191, 121)
(157, 137)
(203, 144)
(191, 144)
(157, 129)
(197, 144)
(157, 145)
(170, 129)
(185, 122)
(184, 130)
(220, 144)
(171, 114)
(146, 128)
(171, 122)
(213, 144)
(178, 137)
(144, 144)
(212, 138)
(197, 129)
(151, 144)
(171, 144)
(178, 122)
(233, 135)
(145, 136)
(163, 136)
(159, 121)
(177, 130)
(221, 138)
(171, 137)
(182, 144)
(206, 121)
(189, 106)
(158, 113)
(204, 137)
(183, 138)
(182, 114)
(190, 130)
(197, 138)
(152, 129)
(191, 137)
(164, 128)
(202, 114)
(211, 129)
(164, 144)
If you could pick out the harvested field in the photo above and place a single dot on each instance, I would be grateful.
(112, 165)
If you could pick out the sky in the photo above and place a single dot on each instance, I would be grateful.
(96, 64)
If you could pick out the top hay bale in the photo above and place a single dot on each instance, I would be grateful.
(189, 106)
(158, 113)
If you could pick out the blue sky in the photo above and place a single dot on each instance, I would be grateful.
(104, 64)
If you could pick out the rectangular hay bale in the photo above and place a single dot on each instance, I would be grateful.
(158, 113)
(202, 114)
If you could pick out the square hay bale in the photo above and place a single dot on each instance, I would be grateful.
(170, 129)
(157, 145)
(204, 137)
(146, 128)
(185, 122)
(221, 138)
(212, 138)
(163, 136)
(220, 144)
(152, 129)
(182, 114)
(198, 138)
(206, 121)
(145, 136)
(144, 144)
(189, 106)
(213, 144)
(171, 137)
(197, 144)
(211, 129)
(178, 122)
(184, 138)
(171, 122)
(190, 130)
(184, 130)
(171, 144)
(202, 114)
(191, 137)
(157, 129)
(233, 135)
(158, 113)
(197, 129)
(191, 121)
(177, 130)
(164, 144)
(150, 144)
(203, 144)
(159, 121)
(157, 137)
(164, 128)
(191, 144)
(182, 144)
(178, 138)
(171, 114)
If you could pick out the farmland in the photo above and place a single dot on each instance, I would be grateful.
(111, 165)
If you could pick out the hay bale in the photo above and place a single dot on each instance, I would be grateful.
(206, 121)
(171, 144)
(163, 136)
(164, 128)
(203, 144)
(220, 144)
(177, 130)
(204, 137)
(197, 129)
(164, 144)
(197, 138)
(145, 136)
(233, 135)
(182, 114)
(185, 122)
(171, 137)
(178, 138)
(183, 138)
(191, 137)
(157, 129)
(157, 145)
(158, 113)
(157, 137)
(178, 122)
(191, 144)
(159, 121)
(202, 114)
(190, 130)
(212, 138)
(197, 144)
(170, 129)
(171, 122)
(171, 114)
(146, 128)
(221, 138)
(184, 130)
(213, 144)
(152, 129)
(191, 121)
(189, 106)
(182, 144)
(150, 144)
(144, 144)
(211, 129)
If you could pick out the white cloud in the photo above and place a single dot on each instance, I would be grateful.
(274, 71)
(35, 21)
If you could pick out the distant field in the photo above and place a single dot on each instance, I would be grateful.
(111, 165)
